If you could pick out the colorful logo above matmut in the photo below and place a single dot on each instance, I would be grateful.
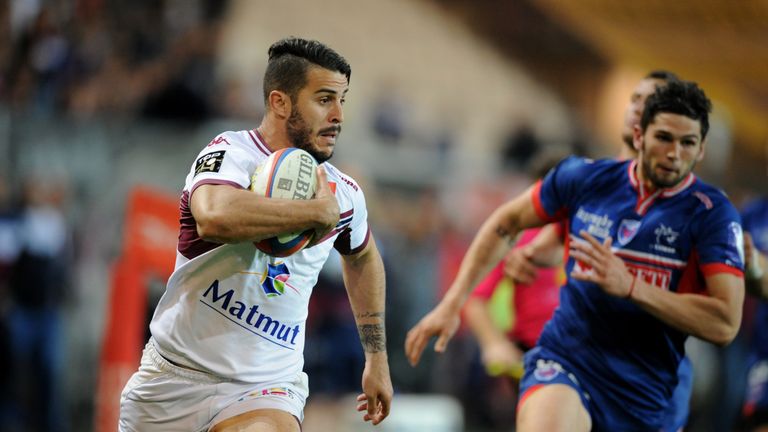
(275, 279)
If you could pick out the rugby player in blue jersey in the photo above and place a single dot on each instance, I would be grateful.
(755, 409)
(547, 244)
(655, 255)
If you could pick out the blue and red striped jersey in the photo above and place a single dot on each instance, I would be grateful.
(671, 238)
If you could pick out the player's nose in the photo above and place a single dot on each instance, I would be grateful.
(336, 114)
(674, 150)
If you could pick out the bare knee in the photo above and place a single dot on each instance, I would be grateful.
(537, 412)
(261, 420)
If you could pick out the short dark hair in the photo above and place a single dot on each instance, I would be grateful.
(663, 75)
(678, 97)
(289, 60)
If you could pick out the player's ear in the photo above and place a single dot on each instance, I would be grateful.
(279, 103)
(637, 138)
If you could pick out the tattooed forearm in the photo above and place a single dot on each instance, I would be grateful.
(372, 337)
(503, 232)
(370, 315)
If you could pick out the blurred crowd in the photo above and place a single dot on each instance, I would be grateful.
(85, 59)
(156, 60)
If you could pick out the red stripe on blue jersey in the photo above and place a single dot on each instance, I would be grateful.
(715, 268)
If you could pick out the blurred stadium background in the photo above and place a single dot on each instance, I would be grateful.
(105, 103)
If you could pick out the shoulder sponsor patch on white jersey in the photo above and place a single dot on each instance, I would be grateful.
(210, 162)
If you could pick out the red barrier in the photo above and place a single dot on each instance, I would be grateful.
(149, 248)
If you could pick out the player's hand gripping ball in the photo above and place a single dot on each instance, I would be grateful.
(289, 173)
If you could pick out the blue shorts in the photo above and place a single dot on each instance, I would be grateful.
(676, 416)
(607, 411)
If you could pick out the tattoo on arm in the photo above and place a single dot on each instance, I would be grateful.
(370, 315)
(503, 232)
(372, 337)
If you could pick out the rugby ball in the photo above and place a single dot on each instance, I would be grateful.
(289, 173)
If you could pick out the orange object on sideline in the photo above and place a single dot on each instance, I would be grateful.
(149, 249)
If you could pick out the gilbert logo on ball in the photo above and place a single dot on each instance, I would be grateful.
(289, 173)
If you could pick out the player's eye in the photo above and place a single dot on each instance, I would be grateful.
(663, 137)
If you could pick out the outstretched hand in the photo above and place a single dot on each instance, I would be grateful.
(597, 263)
(376, 398)
(440, 322)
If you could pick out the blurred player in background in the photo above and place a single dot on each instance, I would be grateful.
(226, 351)
(534, 297)
(755, 410)
(608, 359)
(528, 300)
(634, 110)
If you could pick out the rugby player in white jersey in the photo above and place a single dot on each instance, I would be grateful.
(226, 351)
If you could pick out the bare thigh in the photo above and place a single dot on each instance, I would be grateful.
(260, 420)
(553, 408)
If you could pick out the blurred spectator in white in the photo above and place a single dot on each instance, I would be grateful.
(37, 290)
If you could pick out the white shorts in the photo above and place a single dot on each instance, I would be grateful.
(164, 397)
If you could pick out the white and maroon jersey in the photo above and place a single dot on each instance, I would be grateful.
(230, 309)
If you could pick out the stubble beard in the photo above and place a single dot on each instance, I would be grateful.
(300, 135)
(661, 183)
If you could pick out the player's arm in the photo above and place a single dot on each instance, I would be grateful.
(364, 279)
(226, 214)
(545, 250)
(755, 277)
(493, 240)
(715, 317)
(499, 354)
